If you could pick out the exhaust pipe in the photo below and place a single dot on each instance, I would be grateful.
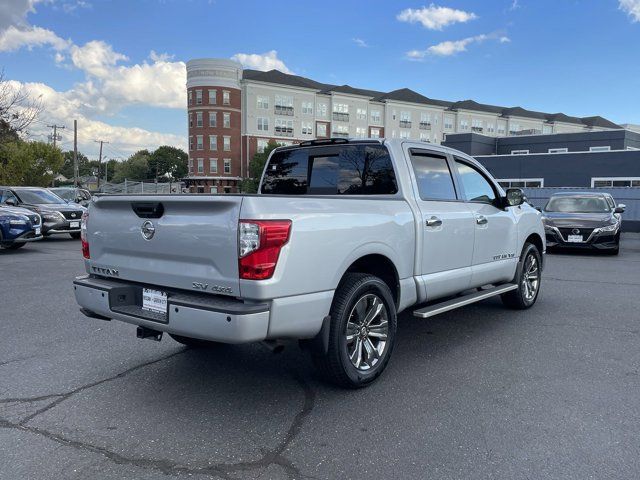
(144, 332)
(274, 346)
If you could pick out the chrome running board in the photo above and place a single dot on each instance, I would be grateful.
(458, 302)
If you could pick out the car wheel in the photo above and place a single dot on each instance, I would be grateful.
(75, 235)
(193, 342)
(362, 332)
(528, 277)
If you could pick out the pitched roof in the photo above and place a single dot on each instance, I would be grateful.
(348, 89)
(276, 76)
(410, 96)
(473, 105)
(599, 121)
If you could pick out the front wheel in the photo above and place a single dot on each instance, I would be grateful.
(362, 332)
(528, 277)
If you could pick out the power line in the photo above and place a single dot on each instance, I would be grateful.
(55, 137)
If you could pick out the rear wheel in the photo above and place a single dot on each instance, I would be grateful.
(193, 342)
(528, 278)
(362, 332)
(75, 235)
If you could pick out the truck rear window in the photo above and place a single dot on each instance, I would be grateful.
(331, 170)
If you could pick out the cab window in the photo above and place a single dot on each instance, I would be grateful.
(475, 185)
(433, 176)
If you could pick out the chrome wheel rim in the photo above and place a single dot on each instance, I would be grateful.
(367, 332)
(530, 277)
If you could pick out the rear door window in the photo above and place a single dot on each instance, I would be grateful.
(331, 170)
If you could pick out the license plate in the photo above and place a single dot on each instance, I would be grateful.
(37, 230)
(574, 238)
(74, 224)
(154, 300)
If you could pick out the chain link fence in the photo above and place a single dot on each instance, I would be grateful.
(141, 187)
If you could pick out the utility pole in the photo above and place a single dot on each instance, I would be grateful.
(55, 137)
(76, 170)
(101, 142)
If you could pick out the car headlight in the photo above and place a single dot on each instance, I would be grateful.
(53, 216)
(19, 222)
(609, 228)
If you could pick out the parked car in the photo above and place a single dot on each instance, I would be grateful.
(588, 220)
(73, 195)
(343, 236)
(18, 226)
(58, 217)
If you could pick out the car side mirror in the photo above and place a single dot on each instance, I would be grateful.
(11, 201)
(514, 197)
(620, 208)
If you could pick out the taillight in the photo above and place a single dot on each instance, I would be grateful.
(83, 234)
(259, 244)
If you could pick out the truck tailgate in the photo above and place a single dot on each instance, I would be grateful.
(195, 242)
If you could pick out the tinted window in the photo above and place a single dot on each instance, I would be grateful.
(586, 204)
(38, 196)
(476, 187)
(433, 176)
(331, 170)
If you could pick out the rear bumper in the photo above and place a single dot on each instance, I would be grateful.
(200, 316)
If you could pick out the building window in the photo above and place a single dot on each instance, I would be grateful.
(322, 109)
(284, 127)
(213, 165)
(263, 124)
(213, 189)
(375, 133)
(201, 165)
(307, 108)
(190, 120)
(225, 97)
(514, 128)
(227, 165)
(424, 137)
(405, 119)
(341, 131)
(477, 125)
(283, 105)
(226, 120)
(521, 182)
(361, 132)
(404, 134)
(190, 95)
(602, 148)
(448, 122)
(198, 97)
(502, 128)
(519, 152)
(190, 142)
(212, 97)
(213, 143)
(198, 119)
(262, 102)
(491, 128)
(262, 145)
(307, 128)
(199, 142)
(341, 112)
(375, 117)
(191, 165)
(361, 113)
(464, 124)
(558, 150)
(226, 143)
(597, 182)
(213, 119)
(547, 129)
(321, 130)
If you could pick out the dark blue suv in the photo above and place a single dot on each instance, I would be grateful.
(18, 226)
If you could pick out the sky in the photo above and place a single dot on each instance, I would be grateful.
(118, 67)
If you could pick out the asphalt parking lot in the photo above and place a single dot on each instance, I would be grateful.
(482, 392)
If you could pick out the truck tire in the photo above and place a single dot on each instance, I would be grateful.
(528, 277)
(362, 332)
(193, 342)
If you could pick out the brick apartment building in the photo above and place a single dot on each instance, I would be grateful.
(233, 113)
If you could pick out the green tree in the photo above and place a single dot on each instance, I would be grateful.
(135, 168)
(256, 167)
(29, 163)
(85, 166)
(168, 163)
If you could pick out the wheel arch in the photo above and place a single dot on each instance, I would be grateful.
(380, 266)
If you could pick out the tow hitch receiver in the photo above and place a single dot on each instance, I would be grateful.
(143, 332)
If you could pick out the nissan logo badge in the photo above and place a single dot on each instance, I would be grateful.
(148, 230)
(575, 231)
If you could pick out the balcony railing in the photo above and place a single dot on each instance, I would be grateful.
(340, 116)
(340, 134)
(284, 131)
(477, 129)
(425, 126)
(405, 124)
(282, 110)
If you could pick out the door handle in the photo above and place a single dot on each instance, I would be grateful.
(434, 222)
(481, 220)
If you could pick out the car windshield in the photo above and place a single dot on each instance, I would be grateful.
(65, 193)
(38, 196)
(585, 204)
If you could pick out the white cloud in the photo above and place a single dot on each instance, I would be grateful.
(14, 12)
(13, 38)
(632, 8)
(451, 47)
(514, 5)
(265, 62)
(435, 17)
(361, 43)
(95, 58)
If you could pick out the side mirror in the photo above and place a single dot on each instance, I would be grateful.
(514, 197)
(78, 199)
(620, 208)
(11, 201)
(539, 209)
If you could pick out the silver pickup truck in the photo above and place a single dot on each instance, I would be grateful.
(343, 236)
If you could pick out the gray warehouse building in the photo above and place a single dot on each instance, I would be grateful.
(582, 159)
